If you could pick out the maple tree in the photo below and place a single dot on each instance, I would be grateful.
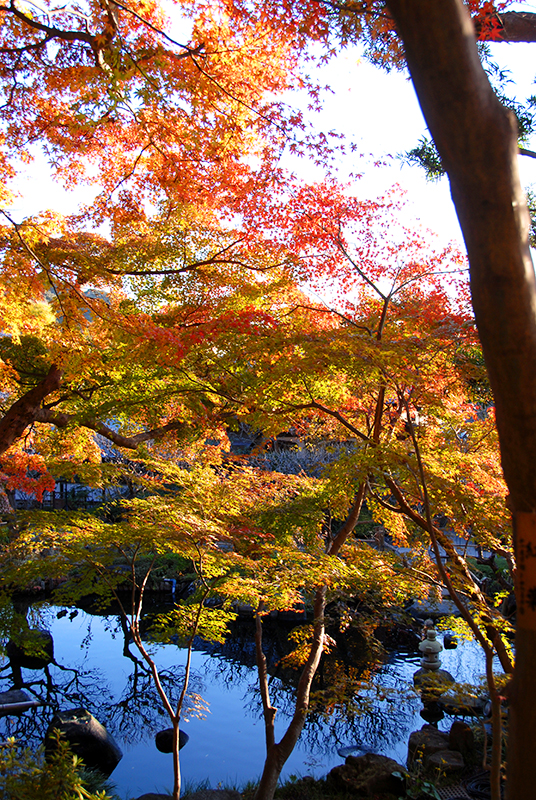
(212, 518)
(452, 87)
(107, 92)
(357, 373)
(189, 130)
(125, 361)
(156, 126)
(390, 375)
(255, 349)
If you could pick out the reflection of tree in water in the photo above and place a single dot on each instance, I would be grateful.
(132, 715)
(138, 713)
(57, 687)
(239, 646)
(375, 714)
(355, 702)
(370, 705)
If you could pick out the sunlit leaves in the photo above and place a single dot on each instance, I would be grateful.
(211, 624)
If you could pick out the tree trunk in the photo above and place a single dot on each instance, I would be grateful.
(278, 752)
(6, 509)
(176, 762)
(477, 140)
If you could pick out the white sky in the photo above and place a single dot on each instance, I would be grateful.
(380, 113)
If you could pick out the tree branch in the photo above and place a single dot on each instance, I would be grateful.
(330, 412)
(25, 410)
(61, 420)
(511, 26)
(50, 30)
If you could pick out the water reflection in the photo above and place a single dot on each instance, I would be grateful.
(127, 703)
(96, 667)
(376, 714)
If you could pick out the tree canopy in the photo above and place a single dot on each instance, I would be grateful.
(185, 299)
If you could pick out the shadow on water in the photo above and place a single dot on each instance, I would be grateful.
(368, 705)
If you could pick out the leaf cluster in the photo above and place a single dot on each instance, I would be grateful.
(25, 775)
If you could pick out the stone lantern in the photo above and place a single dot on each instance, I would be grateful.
(430, 679)
(430, 648)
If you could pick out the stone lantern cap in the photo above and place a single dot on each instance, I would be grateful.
(430, 645)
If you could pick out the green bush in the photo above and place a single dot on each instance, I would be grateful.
(25, 775)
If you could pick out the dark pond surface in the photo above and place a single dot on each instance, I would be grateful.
(226, 741)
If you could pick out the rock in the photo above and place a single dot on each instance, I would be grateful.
(15, 701)
(450, 642)
(431, 712)
(425, 742)
(422, 609)
(432, 683)
(214, 794)
(153, 796)
(87, 738)
(164, 740)
(35, 652)
(462, 738)
(368, 775)
(352, 750)
(454, 702)
(445, 761)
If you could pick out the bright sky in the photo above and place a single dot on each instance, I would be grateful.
(380, 113)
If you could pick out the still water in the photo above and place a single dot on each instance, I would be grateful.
(224, 719)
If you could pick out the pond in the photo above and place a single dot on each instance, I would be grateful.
(225, 727)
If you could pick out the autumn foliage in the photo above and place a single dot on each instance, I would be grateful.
(205, 287)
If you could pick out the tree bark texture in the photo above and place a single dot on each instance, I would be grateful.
(24, 412)
(477, 140)
(513, 26)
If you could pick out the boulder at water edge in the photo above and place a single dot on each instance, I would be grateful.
(450, 642)
(87, 738)
(423, 609)
(35, 651)
(462, 738)
(164, 740)
(459, 702)
(153, 796)
(425, 742)
(15, 701)
(445, 762)
(432, 748)
(368, 775)
(432, 682)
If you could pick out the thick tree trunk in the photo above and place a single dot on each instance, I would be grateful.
(6, 509)
(477, 140)
(24, 412)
